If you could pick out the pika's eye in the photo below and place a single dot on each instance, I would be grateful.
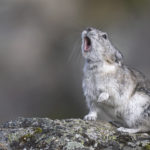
(104, 36)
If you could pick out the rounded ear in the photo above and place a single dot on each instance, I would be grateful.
(119, 57)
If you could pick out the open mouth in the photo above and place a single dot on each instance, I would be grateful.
(87, 44)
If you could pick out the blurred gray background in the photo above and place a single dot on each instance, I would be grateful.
(40, 56)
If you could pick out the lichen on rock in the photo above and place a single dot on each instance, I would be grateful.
(67, 134)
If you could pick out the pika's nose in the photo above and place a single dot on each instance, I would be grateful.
(88, 29)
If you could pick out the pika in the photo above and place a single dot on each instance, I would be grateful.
(113, 91)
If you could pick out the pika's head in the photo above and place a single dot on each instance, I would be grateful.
(97, 47)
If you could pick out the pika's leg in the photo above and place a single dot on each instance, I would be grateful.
(92, 115)
(128, 130)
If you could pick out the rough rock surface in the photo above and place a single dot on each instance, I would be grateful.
(68, 134)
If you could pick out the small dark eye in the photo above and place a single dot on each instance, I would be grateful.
(104, 36)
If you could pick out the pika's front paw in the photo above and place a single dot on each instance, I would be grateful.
(91, 116)
(103, 97)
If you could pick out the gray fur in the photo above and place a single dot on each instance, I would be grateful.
(114, 91)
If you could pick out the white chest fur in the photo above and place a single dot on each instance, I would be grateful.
(99, 79)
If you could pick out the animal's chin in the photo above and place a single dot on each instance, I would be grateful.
(87, 44)
(90, 58)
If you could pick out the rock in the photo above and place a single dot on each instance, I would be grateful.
(67, 134)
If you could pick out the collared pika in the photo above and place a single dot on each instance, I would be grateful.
(113, 91)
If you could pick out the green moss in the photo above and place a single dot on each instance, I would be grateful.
(112, 137)
(38, 130)
(28, 136)
(146, 147)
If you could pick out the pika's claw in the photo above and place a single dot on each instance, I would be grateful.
(91, 116)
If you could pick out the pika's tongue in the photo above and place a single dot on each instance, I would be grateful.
(87, 44)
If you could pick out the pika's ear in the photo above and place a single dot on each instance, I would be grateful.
(119, 57)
